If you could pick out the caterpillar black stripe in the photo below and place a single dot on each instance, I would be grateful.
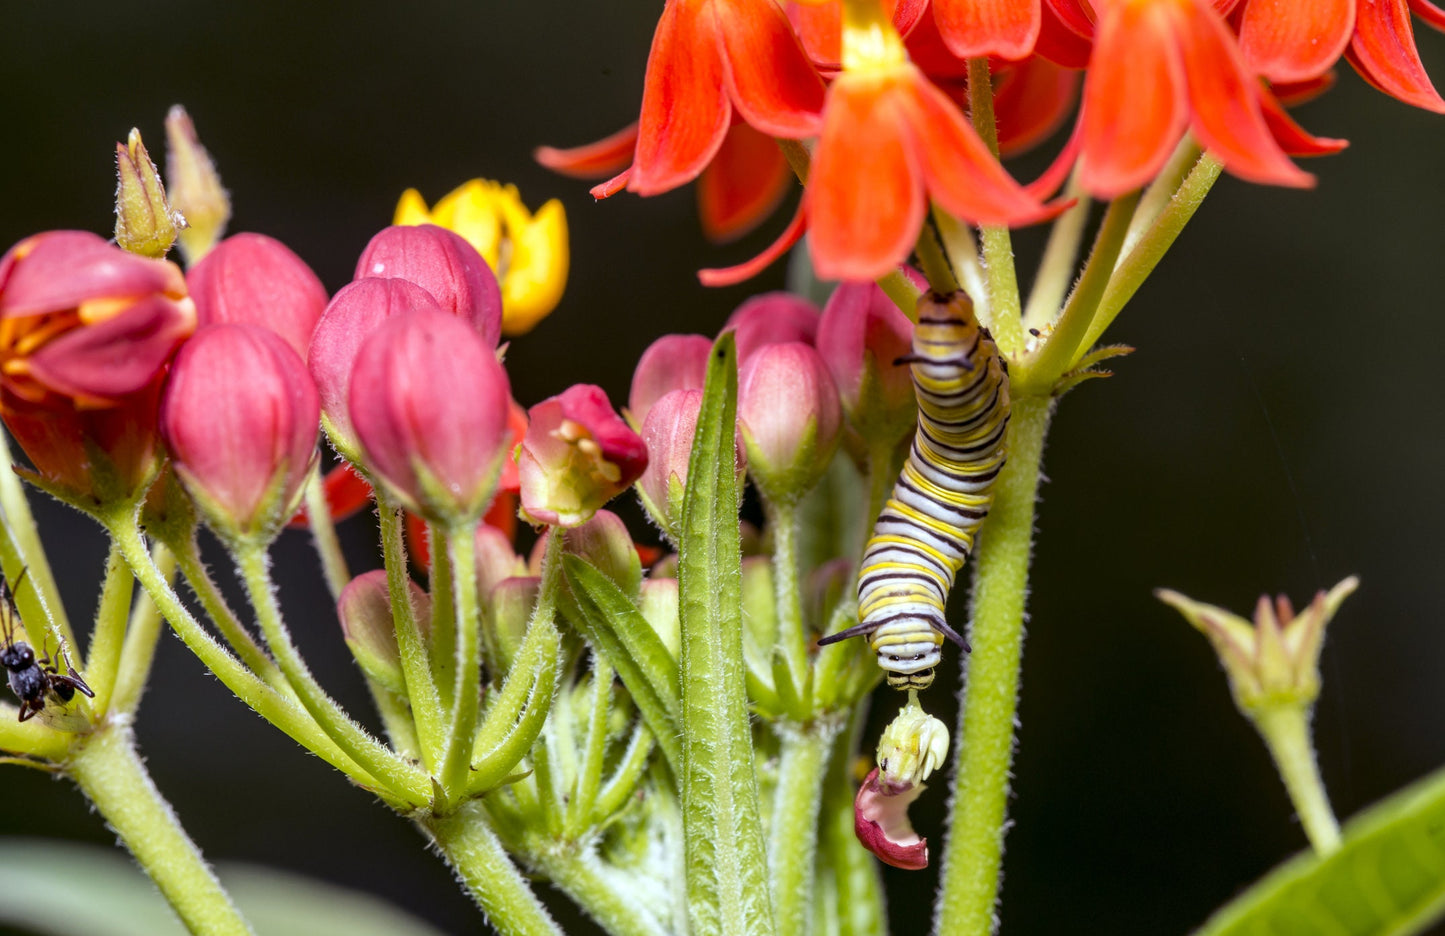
(926, 530)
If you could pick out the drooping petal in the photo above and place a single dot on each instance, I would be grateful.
(866, 196)
(742, 185)
(961, 174)
(1225, 98)
(1032, 99)
(1291, 137)
(1383, 52)
(1295, 93)
(1060, 42)
(1293, 40)
(772, 83)
(1429, 12)
(1005, 28)
(612, 186)
(599, 160)
(685, 110)
(1135, 107)
(731, 276)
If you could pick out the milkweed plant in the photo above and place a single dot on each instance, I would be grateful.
(673, 736)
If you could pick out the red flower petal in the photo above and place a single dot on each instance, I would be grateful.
(598, 160)
(1228, 119)
(1031, 101)
(1292, 40)
(1135, 108)
(114, 358)
(1074, 15)
(866, 197)
(1060, 43)
(685, 111)
(1383, 52)
(1006, 28)
(773, 85)
(612, 186)
(1429, 12)
(743, 184)
(1291, 137)
(880, 820)
(1295, 93)
(961, 174)
(731, 276)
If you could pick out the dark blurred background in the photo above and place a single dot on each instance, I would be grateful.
(1278, 429)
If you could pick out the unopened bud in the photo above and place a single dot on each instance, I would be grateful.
(145, 223)
(913, 745)
(772, 318)
(790, 419)
(861, 338)
(196, 189)
(672, 362)
(370, 629)
(510, 609)
(604, 542)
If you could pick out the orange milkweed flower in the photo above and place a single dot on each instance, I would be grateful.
(1005, 28)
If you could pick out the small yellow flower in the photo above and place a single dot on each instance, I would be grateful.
(527, 252)
(913, 745)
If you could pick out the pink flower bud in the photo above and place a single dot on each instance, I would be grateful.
(85, 321)
(577, 455)
(357, 310)
(880, 820)
(668, 433)
(605, 542)
(790, 419)
(240, 416)
(443, 264)
(364, 608)
(253, 279)
(428, 401)
(496, 559)
(772, 318)
(861, 336)
(509, 608)
(672, 362)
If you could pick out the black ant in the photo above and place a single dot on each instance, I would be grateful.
(30, 678)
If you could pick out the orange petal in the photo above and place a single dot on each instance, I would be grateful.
(1073, 15)
(613, 185)
(1228, 119)
(731, 276)
(1294, 40)
(597, 160)
(1005, 28)
(1054, 177)
(1295, 93)
(1059, 42)
(1031, 102)
(744, 183)
(820, 29)
(865, 193)
(1430, 13)
(773, 85)
(960, 172)
(1291, 137)
(1383, 52)
(1135, 108)
(685, 111)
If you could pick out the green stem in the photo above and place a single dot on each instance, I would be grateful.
(400, 778)
(787, 592)
(198, 577)
(141, 637)
(1161, 190)
(421, 689)
(973, 852)
(466, 705)
(103, 655)
(108, 770)
(1056, 269)
(962, 250)
(1286, 731)
(1153, 245)
(603, 894)
(856, 877)
(589, 774)
(263, 699)
(793, 838)
(442, 640)
(619, 787)
(475, 853)
(21, 524)
(323, 535)
(1003, 310)
(933, 259)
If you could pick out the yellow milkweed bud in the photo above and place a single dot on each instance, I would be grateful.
(528, 252)
(145, 224)
(196, 189)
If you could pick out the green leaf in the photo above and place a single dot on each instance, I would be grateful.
(1388, 879)
(725, 857)
(65, 889)
(611, 623)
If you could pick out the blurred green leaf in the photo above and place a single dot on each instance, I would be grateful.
(66, 889)
(1388, 879)
(726, 860)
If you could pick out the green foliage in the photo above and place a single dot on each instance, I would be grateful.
(1388, 879)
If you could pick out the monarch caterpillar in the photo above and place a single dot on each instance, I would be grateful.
(926, 530)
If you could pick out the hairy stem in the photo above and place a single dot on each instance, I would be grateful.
(1003, 310)
(102, 661)
(1286, 730)
(793, 837)
(467, 698)
(603, 894)
(977, 819)
(421, 689)
(198, 577)
(141, 637)
(21, 524)
(472, 849)
(323, 535)
(792, 635)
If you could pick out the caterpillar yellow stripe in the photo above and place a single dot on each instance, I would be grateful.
(926, 530)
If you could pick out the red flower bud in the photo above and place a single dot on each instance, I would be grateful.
(368, 624)
(880, 820)
(790, 419)
(443, 264)
(772, 318)
(240, 416)
(668, 433)
(672, 362)
(355, 312)
(253, 279)
(603, 541)
(428, 402)
(577, 455)
(83, 320)
(496, 559)
(861, 336)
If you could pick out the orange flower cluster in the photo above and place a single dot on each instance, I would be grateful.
(879, 88)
